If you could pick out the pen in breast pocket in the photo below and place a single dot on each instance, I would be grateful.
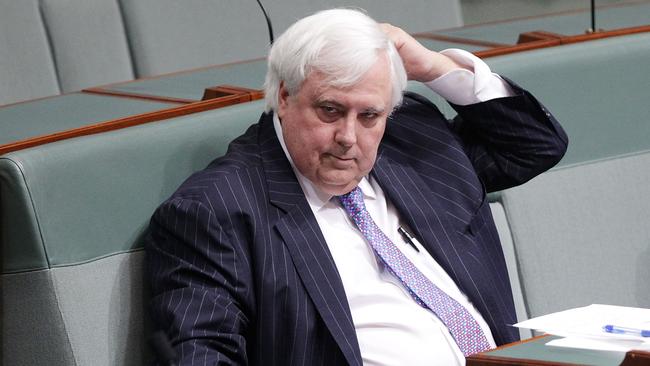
(408, 238)
(624, 330)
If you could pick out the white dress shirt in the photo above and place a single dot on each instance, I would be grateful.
(391, 327)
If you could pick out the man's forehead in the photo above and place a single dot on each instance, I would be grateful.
(321, 90)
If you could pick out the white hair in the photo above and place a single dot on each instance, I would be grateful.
(341, 44)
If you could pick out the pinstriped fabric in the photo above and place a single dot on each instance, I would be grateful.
(241, 274)
(225, 268)
(462, 326)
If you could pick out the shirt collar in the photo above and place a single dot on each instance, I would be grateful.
(316, 198)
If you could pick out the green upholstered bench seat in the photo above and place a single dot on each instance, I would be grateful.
(90, 197)
(72, 217)
(88, 41)
(581, 234)
(25, 72)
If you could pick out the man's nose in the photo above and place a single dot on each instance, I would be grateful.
(346, 133)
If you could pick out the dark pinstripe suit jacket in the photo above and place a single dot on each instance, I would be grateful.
(240, 270)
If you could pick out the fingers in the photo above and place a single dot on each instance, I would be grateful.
(421, 64)
(395, 34)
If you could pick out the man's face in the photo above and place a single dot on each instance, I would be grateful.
(332, 134)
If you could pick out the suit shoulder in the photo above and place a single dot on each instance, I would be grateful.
(234, 172)
(413, 99)
(417, 116)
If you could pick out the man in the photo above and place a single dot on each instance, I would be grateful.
(343, 228)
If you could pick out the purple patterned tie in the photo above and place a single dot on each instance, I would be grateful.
(462, 326)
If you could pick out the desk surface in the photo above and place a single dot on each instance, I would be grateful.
(536, 352)
(50, 115)
(191, 84)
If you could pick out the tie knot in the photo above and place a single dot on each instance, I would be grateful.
(353, 201)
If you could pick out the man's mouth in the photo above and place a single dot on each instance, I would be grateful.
(343, 161)
(342, 158)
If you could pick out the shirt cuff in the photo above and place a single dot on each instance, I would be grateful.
(463, 86)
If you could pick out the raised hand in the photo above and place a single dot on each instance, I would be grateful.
(421, 63)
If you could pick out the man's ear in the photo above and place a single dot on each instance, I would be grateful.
(283, 95)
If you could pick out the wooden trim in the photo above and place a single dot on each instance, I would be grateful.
(223, 90)
(150, 97)
(538, 35)
(126, 122)
(632, 358)
(218, 91)
(482, 359)
(561, 41)
(636, 358)
(474, 42)
(517, 48)
(606, 34)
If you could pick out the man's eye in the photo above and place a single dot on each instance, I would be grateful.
(329, 113)
(329, 110)
(370, 115)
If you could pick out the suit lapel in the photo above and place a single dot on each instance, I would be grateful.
(306, 244)
(427, 215)
(423, 212)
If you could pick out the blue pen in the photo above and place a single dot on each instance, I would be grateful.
(623, 330)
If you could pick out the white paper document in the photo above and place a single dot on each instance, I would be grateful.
(585, 327)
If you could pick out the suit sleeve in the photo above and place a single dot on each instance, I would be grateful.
(199, 282)
(509, 140)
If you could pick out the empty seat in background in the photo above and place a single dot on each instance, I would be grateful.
(88, 41)
(411, 15)
(170, 35)
(26, 67)
(581, 234)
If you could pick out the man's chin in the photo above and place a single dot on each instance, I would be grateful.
(338, 187)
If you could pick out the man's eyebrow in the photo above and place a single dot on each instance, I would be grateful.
(374, 110)
(332, 102)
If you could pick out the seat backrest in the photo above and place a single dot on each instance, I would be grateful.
(72, 216)
(581, 234)
(88, 41)
(26, 67)
(169, 35)
(505, 236)
(412, 15)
